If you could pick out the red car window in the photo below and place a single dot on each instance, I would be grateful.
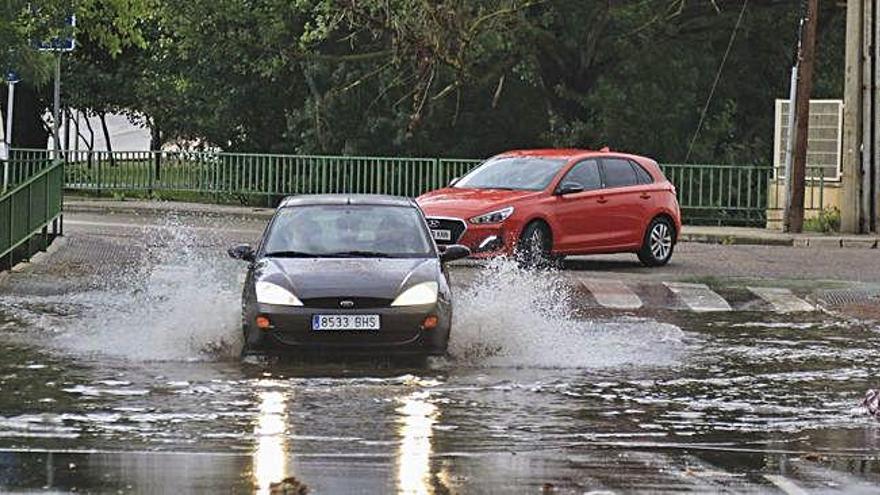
(618, 172)
(585, 174)
(643, 176)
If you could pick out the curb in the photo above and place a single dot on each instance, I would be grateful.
(37, 257)
(818, 242)
(736, 239)
(75, 206)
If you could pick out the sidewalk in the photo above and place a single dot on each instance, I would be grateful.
(764, 237)
(690, 233)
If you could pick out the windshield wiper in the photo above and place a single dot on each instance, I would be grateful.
(291, 254)
(358, 254)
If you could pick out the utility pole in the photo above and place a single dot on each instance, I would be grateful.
(850, 183)
(794, 221)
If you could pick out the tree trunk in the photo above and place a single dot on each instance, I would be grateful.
(90, 144)
(103, 117)
(156, 147)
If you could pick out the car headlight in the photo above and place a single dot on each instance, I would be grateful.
(496, 216)
(423, 293)
(269, 293)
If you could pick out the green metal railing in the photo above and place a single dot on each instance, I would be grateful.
(721, 194)
(708, 194)
(29, 207)
(258, 174)
(24, 164)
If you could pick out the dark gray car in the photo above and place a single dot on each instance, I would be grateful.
(347, 273)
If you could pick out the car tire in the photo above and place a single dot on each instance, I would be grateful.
(658, 243)
(252, 343)
(534, 246)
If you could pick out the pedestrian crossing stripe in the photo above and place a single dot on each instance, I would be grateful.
(698, 297)
(616, 294)
(782, 300)
(612, 293)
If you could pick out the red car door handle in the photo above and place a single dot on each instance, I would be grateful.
(645, 196)
(601, 201)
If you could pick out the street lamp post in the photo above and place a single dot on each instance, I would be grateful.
(56, 114)
(11, 79)
(59, 45)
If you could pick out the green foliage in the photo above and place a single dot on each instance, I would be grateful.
(827, 221)
(444, 78)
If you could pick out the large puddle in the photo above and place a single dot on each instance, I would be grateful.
(147, 361)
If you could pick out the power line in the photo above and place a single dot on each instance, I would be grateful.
(717, 80)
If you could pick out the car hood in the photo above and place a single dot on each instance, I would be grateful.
(465, 203)
(311, 278)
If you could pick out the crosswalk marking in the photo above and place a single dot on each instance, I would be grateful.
(698, 297)
(612, 293)
(782, 300)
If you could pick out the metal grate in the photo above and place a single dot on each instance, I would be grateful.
(843, 297)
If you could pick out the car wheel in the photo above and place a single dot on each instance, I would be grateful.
(658, 244)
(253, 341)
(535, 245)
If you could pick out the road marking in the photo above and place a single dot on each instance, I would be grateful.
(698, 297)
(612, 293)
(782, 300)
(142, 226)
(785, 484)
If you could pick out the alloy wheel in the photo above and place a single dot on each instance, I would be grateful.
(661, 241)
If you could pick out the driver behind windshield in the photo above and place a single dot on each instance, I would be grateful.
(334, 230)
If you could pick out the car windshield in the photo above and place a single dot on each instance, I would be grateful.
(517, 173)
(348, 231)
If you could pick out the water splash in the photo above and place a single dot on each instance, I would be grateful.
(180, 302)
(516, 317)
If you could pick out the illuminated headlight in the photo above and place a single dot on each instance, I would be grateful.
(496, 216)
(423, 293)
(269, 293)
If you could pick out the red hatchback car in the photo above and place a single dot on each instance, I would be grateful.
(546, 204)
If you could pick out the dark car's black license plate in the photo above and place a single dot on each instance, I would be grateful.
(346, 322)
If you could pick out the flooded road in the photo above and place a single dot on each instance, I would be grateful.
(119, 372)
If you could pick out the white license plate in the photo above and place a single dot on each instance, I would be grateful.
(442, 235)
(345, 322)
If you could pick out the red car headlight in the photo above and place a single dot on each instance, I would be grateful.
(496, 216)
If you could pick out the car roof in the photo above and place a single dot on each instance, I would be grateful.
(567, 153)
(562, 153)
(345, 199)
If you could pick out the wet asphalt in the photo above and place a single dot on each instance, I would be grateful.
(119, 373)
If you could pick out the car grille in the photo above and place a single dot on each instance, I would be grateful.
(359, 302)
(457, 227)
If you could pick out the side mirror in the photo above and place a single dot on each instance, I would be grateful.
(242, 252)
(454, 181)
(569, 188)
(454, 252)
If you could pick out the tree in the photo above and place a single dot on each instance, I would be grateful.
(110, 25)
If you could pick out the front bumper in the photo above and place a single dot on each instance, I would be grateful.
(401, 330)
(488, 240)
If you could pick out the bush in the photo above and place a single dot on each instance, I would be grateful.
(827, 221)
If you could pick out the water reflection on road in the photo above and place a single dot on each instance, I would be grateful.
(271, 433)
(417, 418)
(744, 403)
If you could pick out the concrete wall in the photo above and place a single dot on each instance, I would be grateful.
(816, 198)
